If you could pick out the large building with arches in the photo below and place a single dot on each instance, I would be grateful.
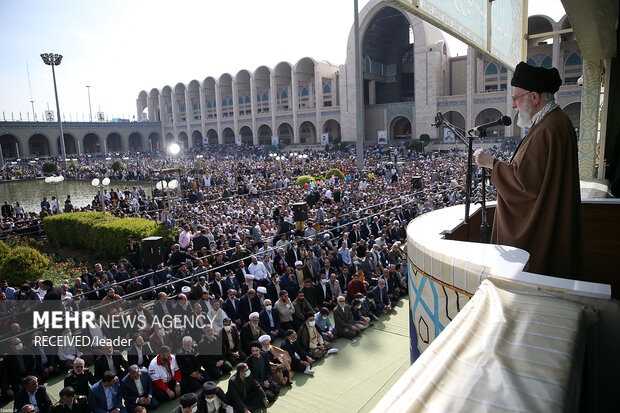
(408, 76)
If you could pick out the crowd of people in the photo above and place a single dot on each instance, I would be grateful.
(267, 296)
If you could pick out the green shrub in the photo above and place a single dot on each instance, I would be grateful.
(23, 264)
(425, 137)
(18, 174)
(303, 180)
(4, 251)
(103, 234)
(73, 166)
(333, 172)
(49, 167)
(117, 166)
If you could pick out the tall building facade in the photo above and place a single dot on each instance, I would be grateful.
(408, 76)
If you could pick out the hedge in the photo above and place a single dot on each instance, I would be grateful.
(4, 251)
(336, 172)
(304, 179)
(103, 234)
(24, 263)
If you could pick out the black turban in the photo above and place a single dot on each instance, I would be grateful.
(536, 79)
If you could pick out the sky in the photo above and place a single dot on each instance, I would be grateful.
(120, 47)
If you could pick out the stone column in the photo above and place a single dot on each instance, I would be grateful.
(471, 87)
(294, 104)
(273, 90)
(372, 92)
(318, 102)
(510, 130)
(189, 117)
(556, 57)
(218, 112)
(253, 104)
(588, 122)
(235, 94)
(203, 113)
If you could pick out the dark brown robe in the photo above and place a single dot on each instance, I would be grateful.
(539, 201)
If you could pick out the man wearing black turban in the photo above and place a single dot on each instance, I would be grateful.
(538, 197)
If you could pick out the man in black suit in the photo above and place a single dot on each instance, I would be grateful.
(53, 293)
(162, 307)
(301, 360)
(140, 353)
(31, 388)
(201, 240)
(19, 363)
(323, 293)
(218, 286)
(111, 360)
(248, 303)
(231, 307)
(137, 389)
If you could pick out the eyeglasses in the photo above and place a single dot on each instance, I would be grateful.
(514, 98)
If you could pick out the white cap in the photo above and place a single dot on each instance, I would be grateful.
(186, 289)
(264, 338)
(262, 290)
(252, 315)
(249, 276)
(326, 236)
(298, 263)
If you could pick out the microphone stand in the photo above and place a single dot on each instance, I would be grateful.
(485, 229)
(440, 120)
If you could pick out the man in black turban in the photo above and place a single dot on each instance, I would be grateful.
(538, 197)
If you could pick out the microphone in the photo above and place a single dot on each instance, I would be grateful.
(438, 120)
(504, 120)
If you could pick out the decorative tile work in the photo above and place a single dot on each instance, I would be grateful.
(405, 110)
(570, 93)
(452, 103)
(589, 118)
(432, 305)
(490, 100)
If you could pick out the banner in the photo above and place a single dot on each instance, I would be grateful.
(49, 116)
(448, 136)
(275, 141)
(494, 28)
(100, 117)
(382, 137)
(324, 139)
(238, 140)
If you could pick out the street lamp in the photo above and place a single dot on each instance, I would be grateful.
(55, 180)
(89, 107)
(101, 184)
(53, 59)
(163, 185)
(174, 148)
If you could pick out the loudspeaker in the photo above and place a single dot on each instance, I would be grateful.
(300, 212)
(416, 181)
(152, 251)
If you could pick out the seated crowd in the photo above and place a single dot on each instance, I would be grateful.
(243, 299)
(266, 300)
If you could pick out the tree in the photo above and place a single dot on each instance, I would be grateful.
(23, 263)
(117, 166)
(49, 167)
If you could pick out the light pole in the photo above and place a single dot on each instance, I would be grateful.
(55, 180)
(101, 184)
(52, 59)
(90, 109)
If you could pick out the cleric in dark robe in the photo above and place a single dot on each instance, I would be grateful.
(538, 196)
